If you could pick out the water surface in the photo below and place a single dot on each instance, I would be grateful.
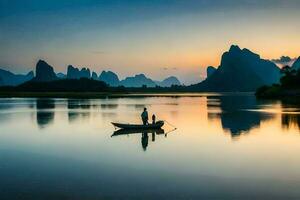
(224, 147)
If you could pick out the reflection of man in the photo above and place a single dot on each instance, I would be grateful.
(153, 136)
(144, 116)
(145, 140)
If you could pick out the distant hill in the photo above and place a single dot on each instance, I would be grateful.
(168, 82)
(63, 85)
(61, 75)
(210, 70)
(85, 73)
(44, 72)
(72, 72)
(138, 81)
(10, 79)
(296, 64)
(110, 78)
(240, 70)
(288, 88)
(75, 73)
(94, 76)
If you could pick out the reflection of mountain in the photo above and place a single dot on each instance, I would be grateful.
(109, 106)
(44, 112)
(290, 120)
(78, 109)
(234, 116)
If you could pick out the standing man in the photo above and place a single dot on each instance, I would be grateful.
(144, 116)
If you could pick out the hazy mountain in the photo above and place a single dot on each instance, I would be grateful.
(138, 81)
(75, 73)
(210, 70)
(94, 76)
(85, 73)
(44, 72)
(296, 64)
(61, 75)
(240, 70)
(168, 82)
(10, 79)
(110, 78)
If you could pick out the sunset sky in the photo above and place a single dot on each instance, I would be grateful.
(158, 38)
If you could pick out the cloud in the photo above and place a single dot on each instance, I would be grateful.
(169, 68)
(98, 52)
(283, 60)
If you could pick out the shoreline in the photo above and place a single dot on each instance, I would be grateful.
(277, 92)
(91, 95)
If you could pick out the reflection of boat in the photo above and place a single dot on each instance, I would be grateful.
(158, 131)
(157, 125)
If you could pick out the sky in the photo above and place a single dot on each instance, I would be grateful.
(157, 38)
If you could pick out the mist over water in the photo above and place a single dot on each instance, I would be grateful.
(225, 146)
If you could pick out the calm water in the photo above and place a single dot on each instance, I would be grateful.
(225, 147)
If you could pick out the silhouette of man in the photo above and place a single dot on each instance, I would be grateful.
(153, 119)
(144, 116)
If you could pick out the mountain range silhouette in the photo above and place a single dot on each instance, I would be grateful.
(9, 78)
(296, 64)
(45, 73)
(239, 70)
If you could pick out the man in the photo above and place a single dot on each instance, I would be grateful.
(153, 119)
(144, 116)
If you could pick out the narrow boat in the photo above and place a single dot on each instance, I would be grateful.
(157, 125)
(157, 131)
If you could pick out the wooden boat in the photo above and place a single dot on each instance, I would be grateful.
(157, 125)
(157, 131)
